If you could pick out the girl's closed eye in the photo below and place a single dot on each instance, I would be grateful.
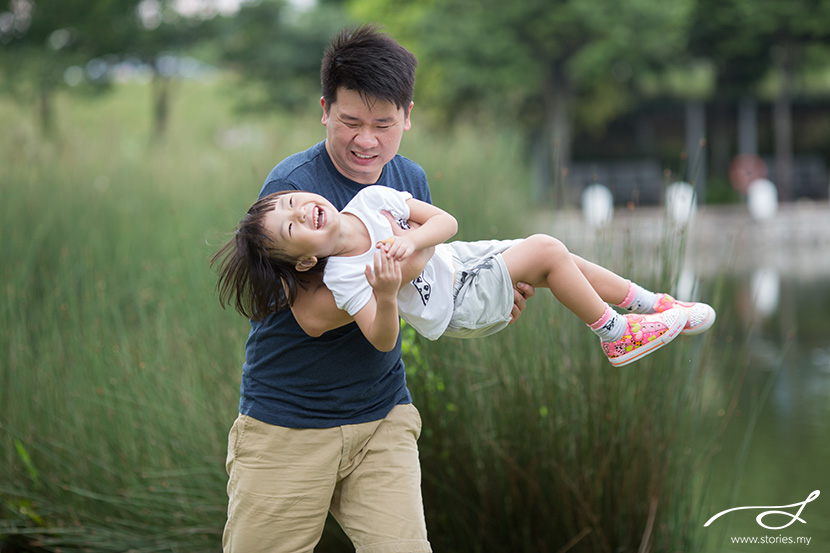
(290, 206)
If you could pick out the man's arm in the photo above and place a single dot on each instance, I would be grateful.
(316, 311)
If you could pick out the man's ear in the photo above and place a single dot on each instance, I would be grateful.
(305, 264)
(325, 118)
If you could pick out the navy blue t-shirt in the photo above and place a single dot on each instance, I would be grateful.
(290, 379)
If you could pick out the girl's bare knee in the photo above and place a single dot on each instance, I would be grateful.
(548, 245)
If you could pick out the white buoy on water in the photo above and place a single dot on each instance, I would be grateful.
(681, 203)
(597, 205)
(766, 290)
(762, 199)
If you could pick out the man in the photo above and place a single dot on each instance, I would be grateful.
(326, 422)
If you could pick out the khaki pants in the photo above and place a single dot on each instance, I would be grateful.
(283, 481)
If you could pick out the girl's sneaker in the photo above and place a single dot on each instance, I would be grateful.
(701, 316)
(645, 334)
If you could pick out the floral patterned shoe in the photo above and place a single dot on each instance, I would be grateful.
(645, 334)
(701, 315)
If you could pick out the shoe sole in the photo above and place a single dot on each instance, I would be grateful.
(670, 334)
(702, 327)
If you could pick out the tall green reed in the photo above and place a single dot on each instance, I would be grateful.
(120, 374)
(532, 441)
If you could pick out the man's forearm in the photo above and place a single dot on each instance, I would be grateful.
(316, 311)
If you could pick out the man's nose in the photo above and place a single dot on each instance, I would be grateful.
(365, 138)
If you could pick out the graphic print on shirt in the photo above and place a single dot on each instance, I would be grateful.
(424, 288)
(402, 223)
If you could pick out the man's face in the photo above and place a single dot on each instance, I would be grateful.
(360, 138)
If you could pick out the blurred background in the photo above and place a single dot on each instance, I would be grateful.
(682, 144)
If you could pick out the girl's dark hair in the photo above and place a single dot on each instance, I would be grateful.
(368, 61)
(254, 277)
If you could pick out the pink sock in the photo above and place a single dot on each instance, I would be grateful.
(632, 292)
(638, 300)
(610, 326)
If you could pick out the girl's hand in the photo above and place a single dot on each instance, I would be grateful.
(397, 247)
(385, 280)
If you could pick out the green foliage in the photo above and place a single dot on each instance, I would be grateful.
(27, 463)
(531, 442)
(743, 38)
(548, 68)
(510, 57)
(269, 44)
(120, 375)
(39, 40)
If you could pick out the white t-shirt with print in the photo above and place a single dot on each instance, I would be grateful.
(426, 303)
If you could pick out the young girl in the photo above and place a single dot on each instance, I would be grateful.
(465, 290)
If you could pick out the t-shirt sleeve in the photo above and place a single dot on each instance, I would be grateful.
(381, 198)
(349, 286)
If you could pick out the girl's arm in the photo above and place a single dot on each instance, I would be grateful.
(316, 311)
(378, 319)
(436, 226)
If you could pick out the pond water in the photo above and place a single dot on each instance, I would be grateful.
(775, 450)
(770, 361)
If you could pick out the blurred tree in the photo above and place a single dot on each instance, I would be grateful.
(749, 39)
(279, 46)
(543, 64)
(44, 44)
(40, 39)
(161, 34)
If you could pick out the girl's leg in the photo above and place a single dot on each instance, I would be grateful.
(636, 299)
(544, 261)
(611, 287)
(615, 289)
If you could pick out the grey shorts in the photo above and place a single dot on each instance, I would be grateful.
(483, 290)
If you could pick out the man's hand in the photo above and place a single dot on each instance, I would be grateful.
(521, 292)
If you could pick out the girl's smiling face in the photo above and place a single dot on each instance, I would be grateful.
(304, 227)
